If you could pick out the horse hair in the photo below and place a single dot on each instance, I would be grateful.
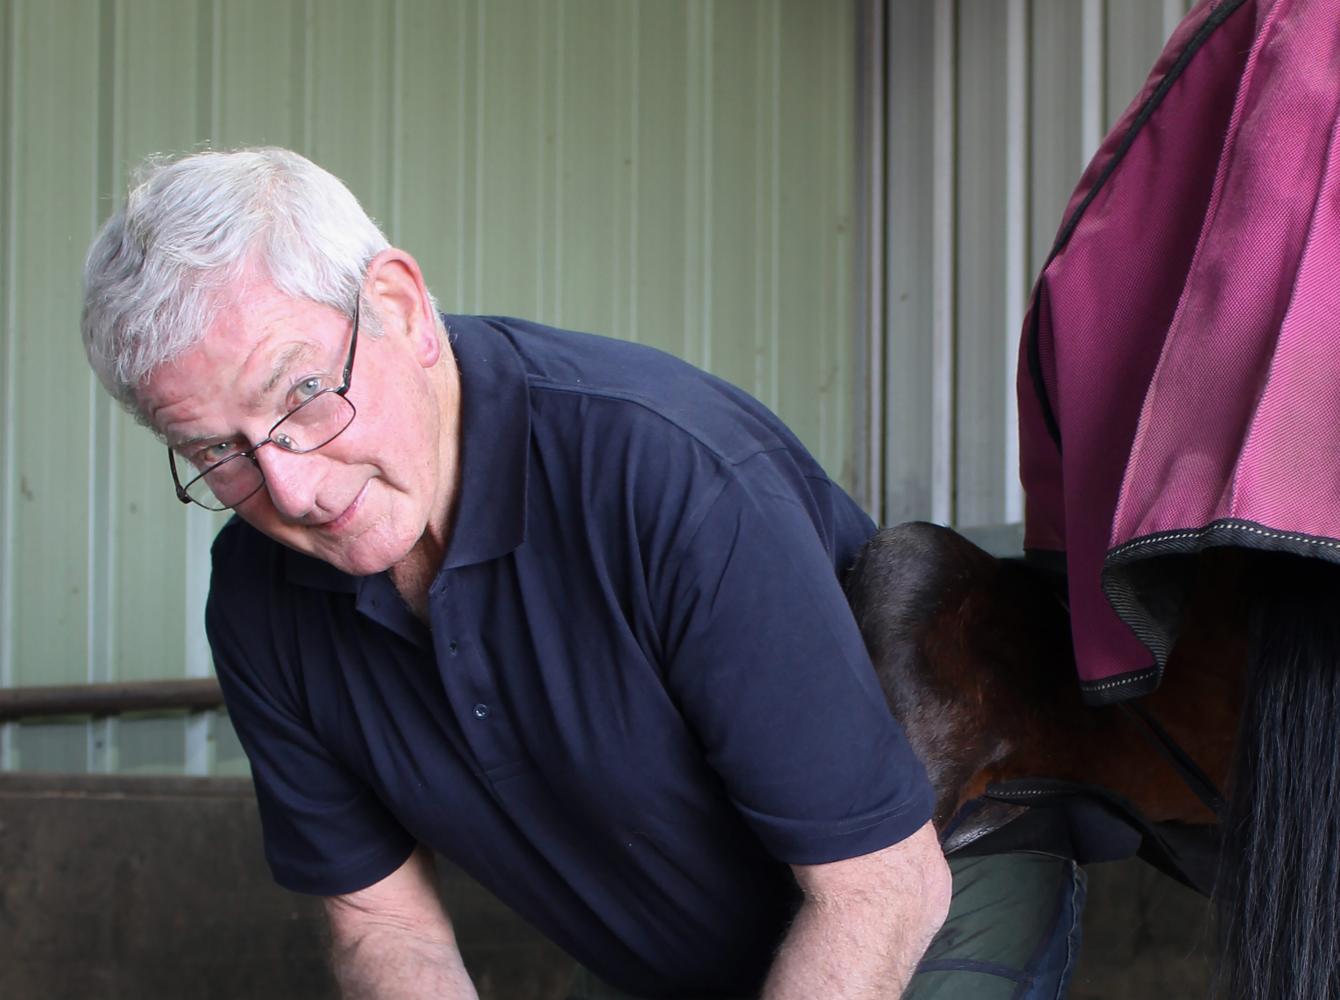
(955, 636)
(1278, 893)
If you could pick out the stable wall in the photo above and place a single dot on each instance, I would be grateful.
(155, 889)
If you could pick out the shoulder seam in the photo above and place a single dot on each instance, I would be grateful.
(539, 382)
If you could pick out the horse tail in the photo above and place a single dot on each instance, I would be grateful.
(1279, 886)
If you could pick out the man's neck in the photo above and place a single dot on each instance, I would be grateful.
(412, 577)
(414, 574)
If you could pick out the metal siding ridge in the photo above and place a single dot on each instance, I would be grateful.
(306, 76)
(543, 168)
(634, 189)
(457, 302)
(869, 258)
(395, 45)
(110, 172)
(761, 389)
(1173, 12)
(560, 45)
(207, 20)
(759, 337)
(201, 526)
(692, 182)
(215, 73)
(775, 213)
(9, 31)
(481, 40)
(705, 108)
(195, 657)
(943, 100)
(1091, 78)
(1016, 242)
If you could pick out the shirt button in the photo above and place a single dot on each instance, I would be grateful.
(451, 647)
(481, 711)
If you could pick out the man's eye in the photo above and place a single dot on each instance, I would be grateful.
(213, 454)
(305, 390)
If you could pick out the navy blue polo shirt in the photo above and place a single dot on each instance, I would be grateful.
(642, 694)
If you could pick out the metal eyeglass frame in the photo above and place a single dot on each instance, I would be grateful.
(341, 390)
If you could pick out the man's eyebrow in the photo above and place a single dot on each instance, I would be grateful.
(182, 444)
(281, 366)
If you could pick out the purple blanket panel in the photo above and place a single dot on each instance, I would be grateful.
(1179, 382)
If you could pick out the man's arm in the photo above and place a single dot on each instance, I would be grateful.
(864, 924)
(394, 941)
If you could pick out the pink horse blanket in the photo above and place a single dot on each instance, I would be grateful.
(1179, 376)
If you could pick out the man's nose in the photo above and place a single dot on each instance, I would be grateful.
(291, 479)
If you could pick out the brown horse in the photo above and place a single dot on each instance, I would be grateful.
(974, 656)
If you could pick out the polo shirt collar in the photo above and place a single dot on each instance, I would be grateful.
(494, 441)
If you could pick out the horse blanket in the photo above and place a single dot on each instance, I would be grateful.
(1179, 376)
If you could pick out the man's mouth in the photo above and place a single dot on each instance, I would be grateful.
(341, 521)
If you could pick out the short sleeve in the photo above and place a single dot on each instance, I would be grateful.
(766, 661)
(325, 831)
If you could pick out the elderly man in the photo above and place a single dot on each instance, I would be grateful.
(561, 608)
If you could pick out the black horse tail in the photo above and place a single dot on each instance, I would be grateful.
(1279, 887)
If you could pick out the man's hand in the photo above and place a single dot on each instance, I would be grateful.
(393, 940)
(864, 924)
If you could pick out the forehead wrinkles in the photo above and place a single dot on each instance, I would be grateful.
(203, 390)
(286, 360)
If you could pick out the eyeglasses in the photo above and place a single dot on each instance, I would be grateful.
(312, 424)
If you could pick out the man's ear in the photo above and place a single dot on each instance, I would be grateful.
(396, 290)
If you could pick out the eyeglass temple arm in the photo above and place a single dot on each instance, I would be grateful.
(353, 346)
(176, 480)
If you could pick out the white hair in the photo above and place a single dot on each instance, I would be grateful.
(159, 270)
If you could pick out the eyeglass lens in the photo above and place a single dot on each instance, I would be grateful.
(312, 425)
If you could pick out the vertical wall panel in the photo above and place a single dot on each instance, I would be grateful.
(1132, 32)
(8, 366)
(812, 280)
(155, 88)
(980, 237)
(971, 222)
(944, 87)
(348, 96)
(660, 283)
(54, 162)
(163, 64)
(511, 129)
(595, 164)
(1055, 143)
(910, 130)
(257, 92)
(732, 174)
(433, 145)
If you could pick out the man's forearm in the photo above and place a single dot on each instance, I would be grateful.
(391, 963)
(393, 941)
(864, 925)
(854, 953)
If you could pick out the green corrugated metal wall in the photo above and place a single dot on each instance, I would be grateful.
(678, 173)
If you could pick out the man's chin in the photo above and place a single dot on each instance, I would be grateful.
(353, 556)
(357, 559)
